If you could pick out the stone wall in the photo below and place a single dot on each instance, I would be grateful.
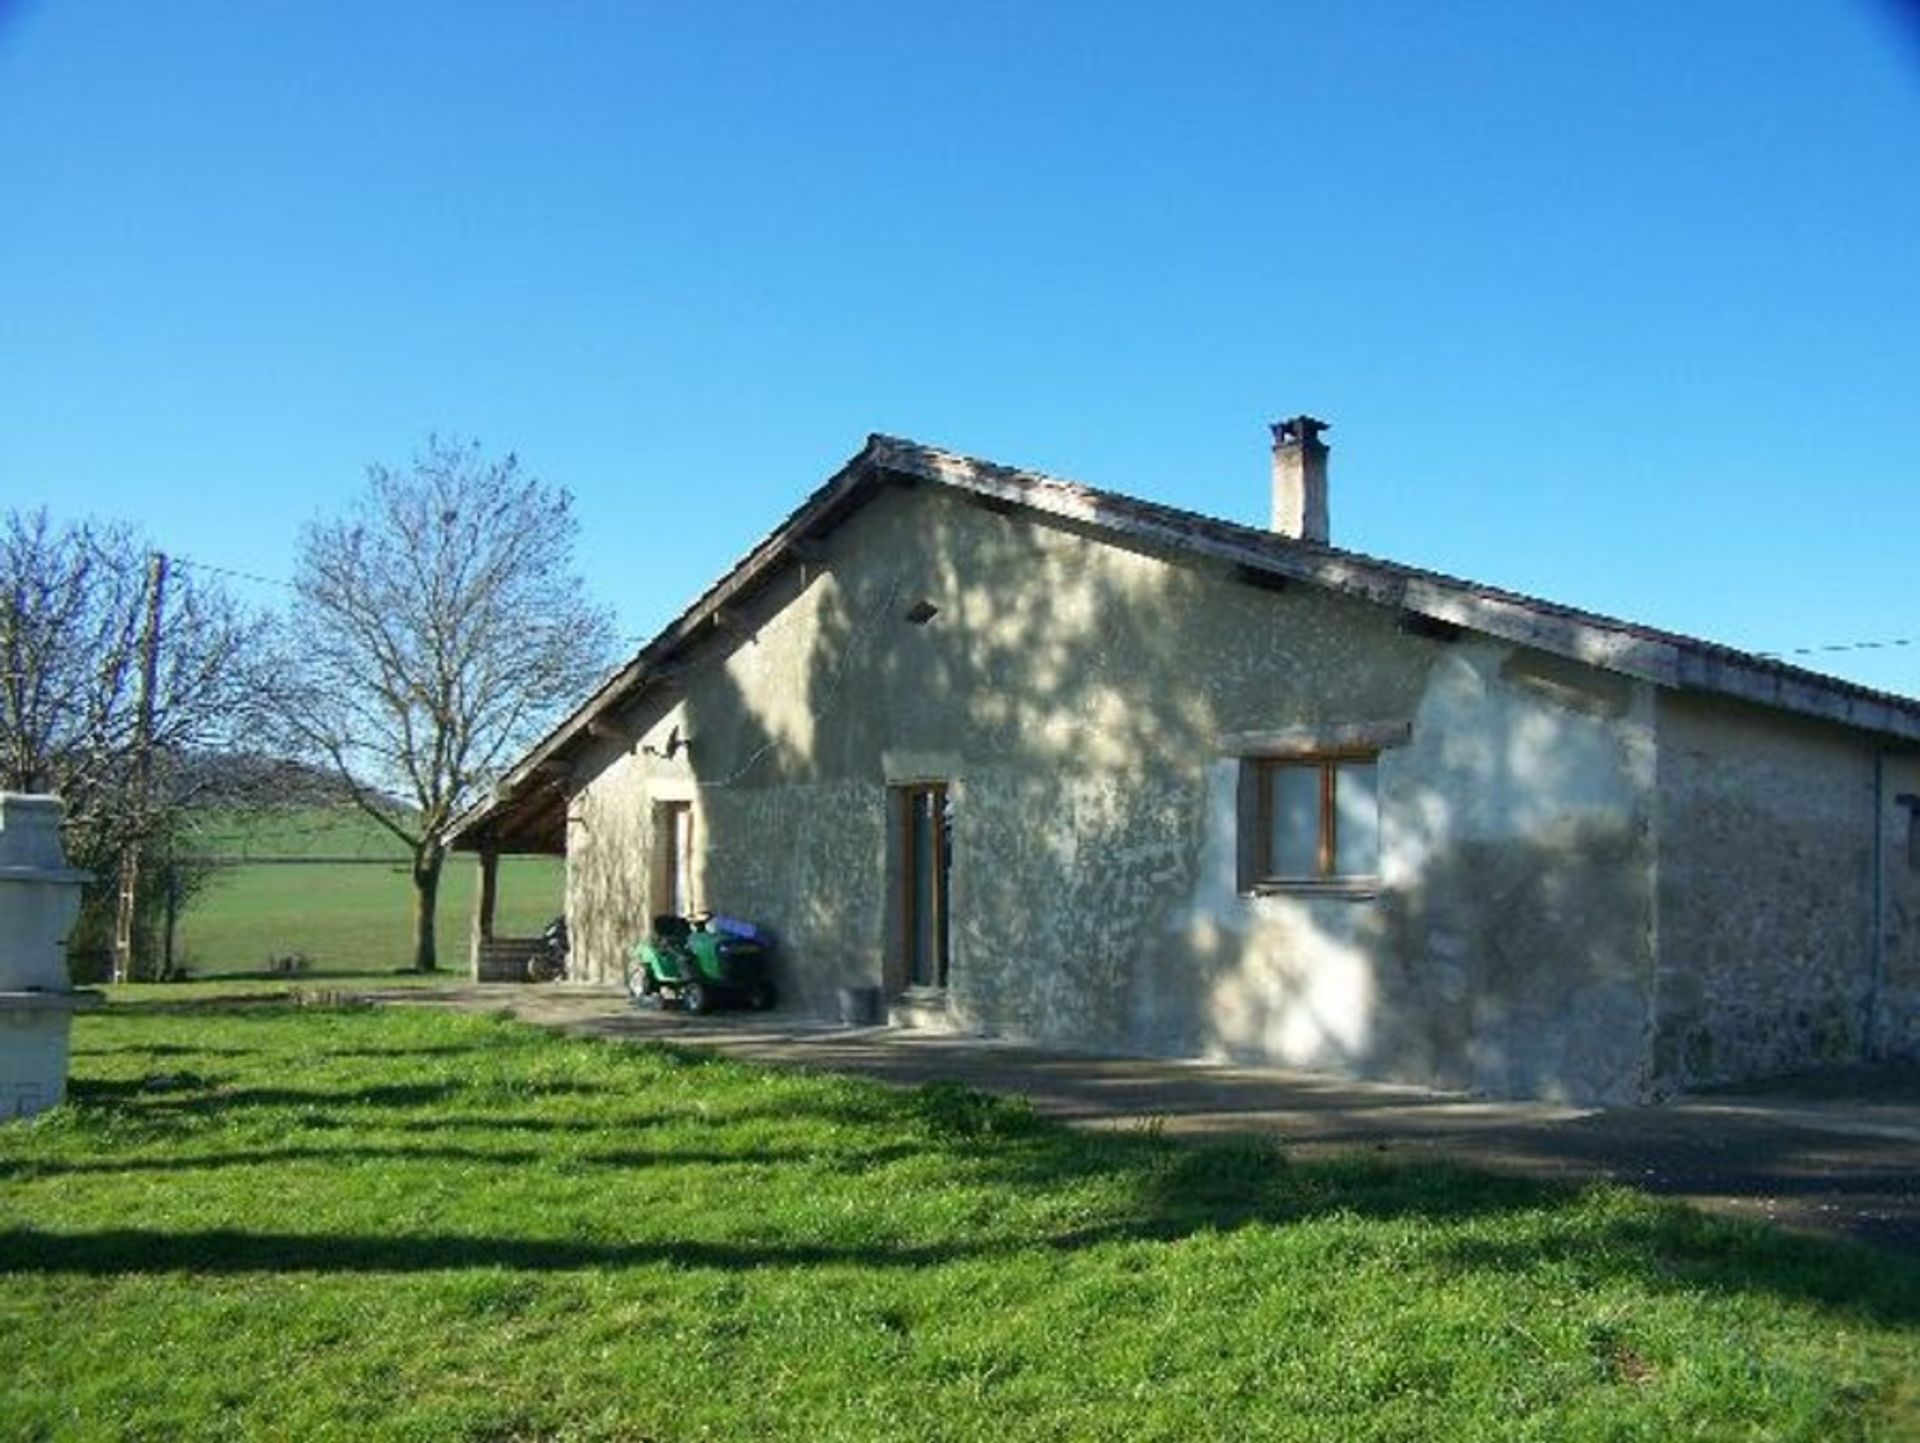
(1893, 1029)
(1508, 948)
(609, 868)
(1084, 702)
(1766, 894)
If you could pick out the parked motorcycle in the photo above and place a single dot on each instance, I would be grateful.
(549, 961)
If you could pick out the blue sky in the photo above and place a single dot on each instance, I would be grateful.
(1615, 303)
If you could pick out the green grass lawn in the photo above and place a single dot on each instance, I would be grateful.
(353, 917)
(262, 1220)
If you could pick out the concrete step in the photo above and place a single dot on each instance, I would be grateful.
(921, 1011)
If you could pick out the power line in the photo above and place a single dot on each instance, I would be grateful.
(1843, 646)
(230, 571)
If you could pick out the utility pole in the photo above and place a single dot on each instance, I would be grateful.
(142, 769)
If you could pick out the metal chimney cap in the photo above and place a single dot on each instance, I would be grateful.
(1299, 430)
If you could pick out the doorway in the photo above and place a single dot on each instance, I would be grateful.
(673, 857)
(923, 868)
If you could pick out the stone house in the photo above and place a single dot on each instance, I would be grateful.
(1045, 762)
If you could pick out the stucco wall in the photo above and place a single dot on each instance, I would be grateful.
(609, 861)
(1766, 892)
(1081, 700)
(1509, 948)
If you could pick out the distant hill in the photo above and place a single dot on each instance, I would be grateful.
(336, 833)
(254, 779)
(251, 807)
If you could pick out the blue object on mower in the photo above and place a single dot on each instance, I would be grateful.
(735, 927)
(703, 964)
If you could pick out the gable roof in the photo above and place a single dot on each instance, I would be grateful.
(530, 795)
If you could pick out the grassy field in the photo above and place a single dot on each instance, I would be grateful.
(265, 1221)
(346, 916)
(295, 832)
(353, 917)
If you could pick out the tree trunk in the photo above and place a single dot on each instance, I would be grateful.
(426, 893)
(170, 924)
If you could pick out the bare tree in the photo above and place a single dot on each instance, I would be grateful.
(105, 696)
(437, 629)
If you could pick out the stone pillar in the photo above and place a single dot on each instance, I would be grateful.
(483, 902)
(39, 898)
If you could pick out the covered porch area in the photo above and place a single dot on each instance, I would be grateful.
(532, 823)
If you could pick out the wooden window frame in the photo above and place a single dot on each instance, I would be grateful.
(1326, 763)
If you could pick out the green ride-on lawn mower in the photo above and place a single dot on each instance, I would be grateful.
(701, 963)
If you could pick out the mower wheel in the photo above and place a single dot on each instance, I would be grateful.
(695, 998)
(760, 996)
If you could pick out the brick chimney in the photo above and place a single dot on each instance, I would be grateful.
(1300, 479)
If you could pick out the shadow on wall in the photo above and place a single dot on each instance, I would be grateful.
(1508, 947)
(1511, 968)
(1075, 694)
(1074, 778)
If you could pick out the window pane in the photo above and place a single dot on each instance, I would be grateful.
(923, 945)
(943, 924)
(1293, 819)
(683, 859)
(1356, 819)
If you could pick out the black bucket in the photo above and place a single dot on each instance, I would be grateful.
(860, 1006)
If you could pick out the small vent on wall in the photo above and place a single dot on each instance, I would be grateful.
(1263, 579)
(1434, 628)
(921, 612)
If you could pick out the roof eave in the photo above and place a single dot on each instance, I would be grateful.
(1664, 659)
(821, 507)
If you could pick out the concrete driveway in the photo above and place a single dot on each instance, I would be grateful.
(1837, 1154)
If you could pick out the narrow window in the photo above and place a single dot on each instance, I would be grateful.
(1911, 801)
(673, 846)
(924, 870)
(1317, 819)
